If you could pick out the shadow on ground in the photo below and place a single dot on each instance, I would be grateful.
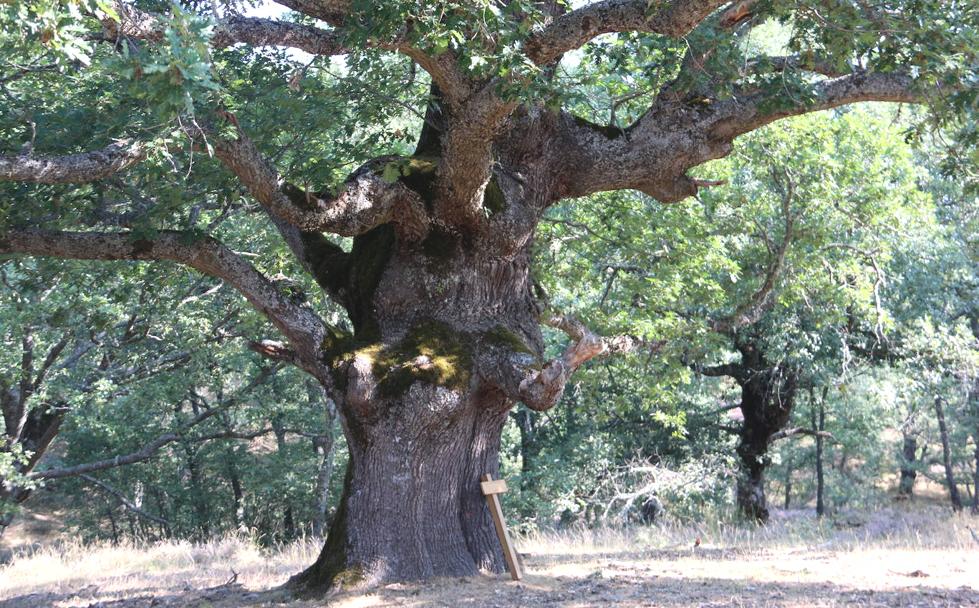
(617, 590)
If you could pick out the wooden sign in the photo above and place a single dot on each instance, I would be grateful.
(492, 488)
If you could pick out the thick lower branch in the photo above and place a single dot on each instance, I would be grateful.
(466, 161)
(363, 202)
(268, 32)
(136, 24)
(72, 168)
(572, 30)
(740, 116)
(304, 329)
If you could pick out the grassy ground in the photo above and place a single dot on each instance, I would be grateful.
(891, 557)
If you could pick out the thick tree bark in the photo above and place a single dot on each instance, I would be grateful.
(438, 327)
(412, 508)
(953, 489)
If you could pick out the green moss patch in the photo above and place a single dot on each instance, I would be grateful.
(432, 353)
(502, 337)
(348, 579)
(418, 173)
(493, 199)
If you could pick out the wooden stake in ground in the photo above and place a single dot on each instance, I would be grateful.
(492, 489)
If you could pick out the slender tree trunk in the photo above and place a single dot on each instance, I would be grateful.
(909, 454)
(526, 424)
(819, 423)
(975, 471)
(953, 490)
(788, 485)
(197, 497)
(234, 480)
(288, 518)
(5, 521)
(112, 523)
(166, 532)
(131, 520)
(975, 480)
(974, 399)
(323, 446)
(237, 492)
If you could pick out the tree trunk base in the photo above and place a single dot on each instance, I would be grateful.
(412, 509)
(751, 500)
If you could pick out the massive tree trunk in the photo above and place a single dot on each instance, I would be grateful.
(412, 508)
(418, 386)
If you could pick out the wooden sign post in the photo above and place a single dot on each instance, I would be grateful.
(492, 488)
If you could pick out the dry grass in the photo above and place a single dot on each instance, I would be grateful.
(890, 557)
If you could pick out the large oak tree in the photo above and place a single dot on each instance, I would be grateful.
(442, 328)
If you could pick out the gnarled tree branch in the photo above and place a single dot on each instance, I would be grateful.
(740, 116)
(364, 201)
(574, 29)
(654, 154)
(303, 328)
(72, 168)
(136, 24)
(269, 32)
(542, 390)
(333, 12)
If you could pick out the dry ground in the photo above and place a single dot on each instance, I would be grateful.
(891, 557)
